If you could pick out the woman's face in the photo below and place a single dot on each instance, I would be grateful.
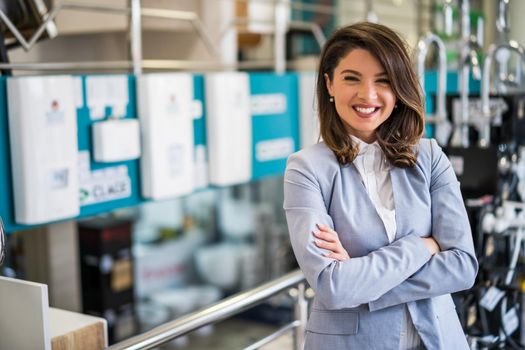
(362, 94)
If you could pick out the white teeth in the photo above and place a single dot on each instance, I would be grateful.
(365, 110)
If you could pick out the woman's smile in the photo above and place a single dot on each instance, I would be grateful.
(365, 111)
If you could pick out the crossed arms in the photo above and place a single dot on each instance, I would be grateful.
(400, 272)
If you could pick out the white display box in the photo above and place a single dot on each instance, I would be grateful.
(44, 148)
(228, 128)
(116, 140)
(165, 103)
(308, 109)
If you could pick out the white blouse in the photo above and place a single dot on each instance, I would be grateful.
(374, 169)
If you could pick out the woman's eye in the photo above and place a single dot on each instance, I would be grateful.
(383, 81)
(351, 79)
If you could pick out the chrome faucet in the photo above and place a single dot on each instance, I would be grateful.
(487, 112)
(505, 78)
(468, 59)
(440, 115)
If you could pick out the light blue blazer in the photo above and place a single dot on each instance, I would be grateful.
(380, 277)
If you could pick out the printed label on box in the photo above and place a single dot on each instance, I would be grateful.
(102, 185)
(274, 149)
(267, 104)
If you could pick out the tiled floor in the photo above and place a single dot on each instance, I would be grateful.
(232, 334)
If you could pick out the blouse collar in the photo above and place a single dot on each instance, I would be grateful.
(366, 147)
(372, 152)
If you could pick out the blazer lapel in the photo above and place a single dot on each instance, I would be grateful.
(365, 201)
(401, 190)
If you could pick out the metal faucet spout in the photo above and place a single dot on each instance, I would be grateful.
(423, 46)
(487, 114)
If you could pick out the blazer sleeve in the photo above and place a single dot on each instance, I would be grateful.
(354, 281)
(455, 267)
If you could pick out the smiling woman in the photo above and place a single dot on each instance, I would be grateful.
(375, 214)
(362, 93)
(366, 65)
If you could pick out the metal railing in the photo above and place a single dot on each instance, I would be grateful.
(229, 307)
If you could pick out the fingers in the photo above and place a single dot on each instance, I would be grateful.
(326, 236)
(336, 256)
(326, 233)
(334, 247)
(328, 239)
(327, 229)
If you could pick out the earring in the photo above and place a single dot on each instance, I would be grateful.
(395, 106)
(331, 99)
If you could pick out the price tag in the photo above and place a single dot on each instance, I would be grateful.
(491, 298)
(511, 321)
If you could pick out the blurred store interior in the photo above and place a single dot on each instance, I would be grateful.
(136, 219)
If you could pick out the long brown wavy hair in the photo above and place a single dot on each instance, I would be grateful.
(401, 132)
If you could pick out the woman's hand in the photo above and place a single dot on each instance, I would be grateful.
(329, 240)
(431, 245)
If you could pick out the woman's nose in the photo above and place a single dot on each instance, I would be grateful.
(367, 90)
